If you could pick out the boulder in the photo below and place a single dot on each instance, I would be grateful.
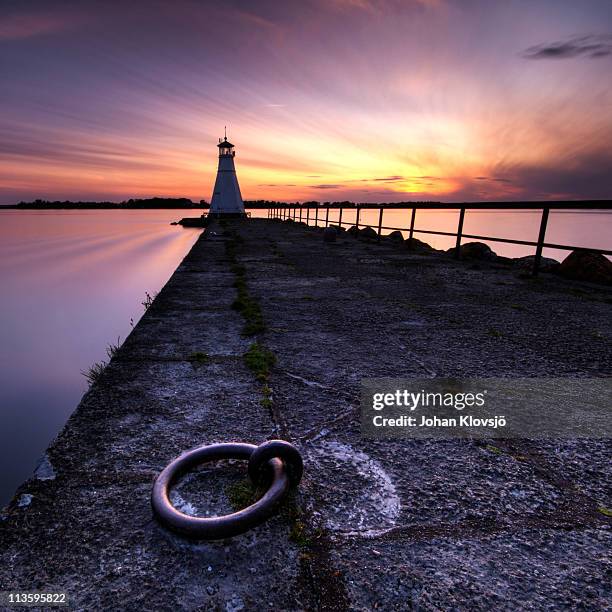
(368, 233)
(414, 244)
(396, 236)
(475, 250)
(353, 230)
(329, 234)
(547, 264)
(585, 266)
(338, 228)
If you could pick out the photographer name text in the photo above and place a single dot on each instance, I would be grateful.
(412, 401)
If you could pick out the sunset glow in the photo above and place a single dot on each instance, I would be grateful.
(367, 100)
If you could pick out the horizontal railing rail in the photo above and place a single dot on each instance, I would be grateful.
(311, 214)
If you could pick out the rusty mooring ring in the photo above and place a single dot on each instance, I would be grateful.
(284, 466)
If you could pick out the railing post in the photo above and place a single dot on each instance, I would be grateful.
(300, 214)
(541, 236)
(316, 216)
(357, 217)
(380, 217)
(308, 215)
(340, 217)
(459, 232)
(327, 216)
(412, 218)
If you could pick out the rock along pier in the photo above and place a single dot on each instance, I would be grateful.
(387, 525)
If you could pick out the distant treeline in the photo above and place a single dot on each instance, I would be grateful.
(515, 205)
(343, 204)
(131, 203)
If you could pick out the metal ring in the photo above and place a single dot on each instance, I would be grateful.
(217, 527)
(259, 466)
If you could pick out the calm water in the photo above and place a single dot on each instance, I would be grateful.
(71, 281)
(564, 227)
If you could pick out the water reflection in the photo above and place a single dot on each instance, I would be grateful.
(71, 281)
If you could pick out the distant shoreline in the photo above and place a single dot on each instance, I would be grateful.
(131, 204)
(185, 203)
(94, 206)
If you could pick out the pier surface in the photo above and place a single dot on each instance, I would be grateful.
(389, 525)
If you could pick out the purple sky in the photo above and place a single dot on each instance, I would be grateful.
(325, 99)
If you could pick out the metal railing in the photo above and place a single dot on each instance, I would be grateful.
(304, 213)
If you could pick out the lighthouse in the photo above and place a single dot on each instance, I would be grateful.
(226, 199)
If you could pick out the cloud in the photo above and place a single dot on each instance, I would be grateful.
(15, 27)
(593, 46)
(585, 176)
(254, 19)
(51, 149)
(390, 179)
(492, 178)
(326, 186)
(382, 6)
(381, 179)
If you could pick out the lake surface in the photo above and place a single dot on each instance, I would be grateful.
(581, 229)
(71, 282)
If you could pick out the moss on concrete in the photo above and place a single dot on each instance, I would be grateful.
(260, 361)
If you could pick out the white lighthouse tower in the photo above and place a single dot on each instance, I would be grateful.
(226, 198)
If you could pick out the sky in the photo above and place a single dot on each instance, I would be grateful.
(365, 100)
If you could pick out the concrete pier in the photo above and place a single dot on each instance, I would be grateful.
(375, 525)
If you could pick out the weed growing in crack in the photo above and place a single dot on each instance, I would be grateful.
(244, 303)
(242, 494)
(93, 373)
(260, 361)
(148, 301)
